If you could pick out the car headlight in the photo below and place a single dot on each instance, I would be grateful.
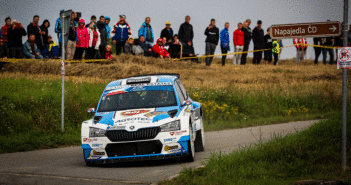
(174, 125)
(96, 132)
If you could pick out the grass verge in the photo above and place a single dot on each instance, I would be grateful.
(314, 153)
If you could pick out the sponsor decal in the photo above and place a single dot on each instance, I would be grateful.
(187, 110)
(176, 151)
(177, 133)
(117, 128)
(152, 114)
(94, 157)
(141, 80)
(132, 119)
(195, 127)
(96, 145)
(115, 92)
(169, 139)
(89, 140)
(103, 113)
(98, 153)
(170, 147)
(134, 112)
(135, 85)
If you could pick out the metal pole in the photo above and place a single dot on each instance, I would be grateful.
(63, 74)
(344, 89)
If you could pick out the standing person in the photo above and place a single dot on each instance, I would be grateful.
(186, 32)
(146, 30)
(58, 30)
(45, 31)
(14, 35)
(30, 49)
(92, 20)
(33, 28)
(94, 41)
(327, 42)
(4, 35)
(268, 45)
(247, 40)
(101, 25)
(212, 38)
(280, 41)
(108, 28)
(122, 31)
(82, 39)
(338, 42)
(317, 50)
(301, 45)
(159, 50)
(225, 42)
(258, 40)
(72, 36)
(167, 32)
(239, 42)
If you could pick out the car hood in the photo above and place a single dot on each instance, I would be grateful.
(142, 116)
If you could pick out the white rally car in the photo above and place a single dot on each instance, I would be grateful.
(143, 118)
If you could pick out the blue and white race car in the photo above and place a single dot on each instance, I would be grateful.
(143, 118)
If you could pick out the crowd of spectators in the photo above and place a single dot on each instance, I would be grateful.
(89, 41)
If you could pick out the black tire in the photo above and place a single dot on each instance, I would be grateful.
(191, 146)
(199, 143)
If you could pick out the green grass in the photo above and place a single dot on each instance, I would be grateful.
(30, 110)
(311, 154)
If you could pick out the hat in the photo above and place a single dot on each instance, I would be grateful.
(159, 40)
(168, 22)
(122, 16)
(259, 22)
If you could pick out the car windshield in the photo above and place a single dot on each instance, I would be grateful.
(137, 98)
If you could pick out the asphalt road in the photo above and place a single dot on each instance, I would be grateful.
(66, 165)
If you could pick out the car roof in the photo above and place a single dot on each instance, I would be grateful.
(153, 78)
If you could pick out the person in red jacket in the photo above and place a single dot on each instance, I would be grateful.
(160, 50)
(4, 35)
(82, 39)
(301, 45)
(238, 40)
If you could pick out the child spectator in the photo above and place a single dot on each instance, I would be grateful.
(189, 51)
(301, 45)
(4, 35)
(14, 35)
(276, 50)
(108, 52)
(82, 39)
(30, 49)
(94, 41)
(159, 50)
(51, 49)
(268, 46)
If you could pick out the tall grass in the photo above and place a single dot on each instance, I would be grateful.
(311, 154)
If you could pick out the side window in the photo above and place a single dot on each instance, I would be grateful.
(179, 93)
(183, 90)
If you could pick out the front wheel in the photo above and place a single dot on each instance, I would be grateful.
(191, 146)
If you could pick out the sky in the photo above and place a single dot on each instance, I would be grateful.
(201, 12)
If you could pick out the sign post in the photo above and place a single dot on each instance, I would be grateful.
(65, 18)
(314, 29)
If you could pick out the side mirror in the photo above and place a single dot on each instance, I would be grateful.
(187, 102)
(91, 110)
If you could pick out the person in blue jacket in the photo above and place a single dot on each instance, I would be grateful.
(108, 28)
(225, 42)
(58, 30)
(122, 31)
(146, 30)
(30, 49)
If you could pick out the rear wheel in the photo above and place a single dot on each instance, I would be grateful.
(191, 146)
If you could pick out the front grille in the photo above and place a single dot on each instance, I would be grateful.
(134, 148)
(141, 134)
